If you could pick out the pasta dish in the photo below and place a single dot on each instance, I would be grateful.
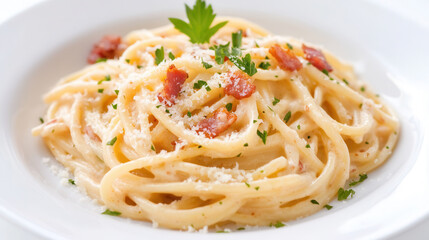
(192, 126)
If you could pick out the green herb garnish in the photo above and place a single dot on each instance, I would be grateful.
(206, 65)
(264, 65)
(199, 84)
(71, 181)
(159, 55)
(115, 106)
(275, 101)
(189, 114)
(344, 194)
(327, 206)
(111, 213)
(314, 202)
(200, 18)
(228, 107)
(101, 60)
(287, 116)
(278, 224)
(111, 142)
(262, 135)
(362, 178)
(171, 56)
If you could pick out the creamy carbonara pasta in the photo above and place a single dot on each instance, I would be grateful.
(250, 128)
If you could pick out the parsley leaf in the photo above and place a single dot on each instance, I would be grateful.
(71, 181)
(314, 202)
(264, 65)
(106, 78)
(245, 64)
(189, 114)
(287, 116)
(101, 60)
(159, 55)
(111, 142)
(171, 56)
(221, 51)
(289, 46)
(41, 120)
(228, 107)
(206, 65)
(115, 106)
(111, 213)
(362, 178)
(263, 136)
(200, 84)
(278, 224)
(200, 18)
(327, 206)
(236, 39)
(275, 101)
(344, 194)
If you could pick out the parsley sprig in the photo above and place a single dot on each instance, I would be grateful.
(200, 18)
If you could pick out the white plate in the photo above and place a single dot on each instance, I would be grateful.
(53, 38)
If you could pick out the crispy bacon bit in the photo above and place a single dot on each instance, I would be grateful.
(108, 47)
(239, 86)
(172, 85)
(91, 134)
(216, 124)
(285, 57)
(316, 58)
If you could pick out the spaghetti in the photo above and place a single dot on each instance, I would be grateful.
(184, 141)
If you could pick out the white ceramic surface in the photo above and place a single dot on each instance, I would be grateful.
(52, 39)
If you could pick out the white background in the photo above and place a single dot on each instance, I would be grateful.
(416, 10)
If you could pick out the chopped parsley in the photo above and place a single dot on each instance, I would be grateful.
(159, 55)
(200, 18)
(289, 46)
(256, 44)
(241, 228)
(344, 194)
(158, 106)
(362, 178)
(111, 142)
(101, 60)
(314, 202)
(220, 203)
(362, 89)
(257, 188)
(299, 127)
(208, 89)
(117, 92)
(41, 120)
(71, 181)
(254, 121)
(270, 109)
(199, 84)
(111, 213)
(287, 116)
(247, 184)
(278, 224)
(171, 56)
(262, 135)
(264, 65)
(236, 39)
(152, 147)
(245, 64)
(366, 142)
(106, 78)
(360, 105)
(206, 65)
(275, 101)
(167, 111)
(228, 107)
(189, 114)
(115, 106)
(325, 72)
(327, 206)
(307, 146)
(127, 60)
(387, 147)
(101, 90)
(345, 81)
(246, 144)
